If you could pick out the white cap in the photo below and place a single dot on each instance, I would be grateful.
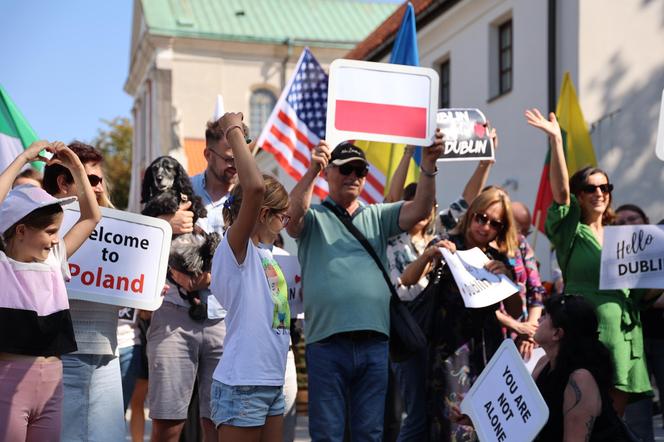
(24, 199)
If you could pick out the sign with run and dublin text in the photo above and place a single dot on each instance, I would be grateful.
(504, 403)
(466, 135)
(123, 262)
(632, 257)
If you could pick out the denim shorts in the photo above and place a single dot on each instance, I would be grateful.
(244, 405)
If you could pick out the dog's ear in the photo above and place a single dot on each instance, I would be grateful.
(148, 184)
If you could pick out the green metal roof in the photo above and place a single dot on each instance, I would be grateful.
(336, 23)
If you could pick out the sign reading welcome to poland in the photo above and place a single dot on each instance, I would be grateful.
(123, 262)
(505, 403)
(381, 102)
(632, 257)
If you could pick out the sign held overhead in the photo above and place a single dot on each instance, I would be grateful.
(466, 135)
(381, 102)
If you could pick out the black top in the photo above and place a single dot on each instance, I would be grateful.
(455, 325)
(607, 426)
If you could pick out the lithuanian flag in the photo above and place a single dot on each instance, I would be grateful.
(15, 132)
(577, 145)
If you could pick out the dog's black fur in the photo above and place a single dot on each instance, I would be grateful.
(192, 253)
(166, 185)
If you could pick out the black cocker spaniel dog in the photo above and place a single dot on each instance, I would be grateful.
(165, 187)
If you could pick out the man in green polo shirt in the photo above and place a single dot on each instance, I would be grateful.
(346, 301)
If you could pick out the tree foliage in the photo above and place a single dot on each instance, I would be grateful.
(115, 142)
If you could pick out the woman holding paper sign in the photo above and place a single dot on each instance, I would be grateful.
(464, 339)
(575, 226)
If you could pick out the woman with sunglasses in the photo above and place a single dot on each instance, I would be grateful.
(464, 339)
(91, 376)
(575, 226)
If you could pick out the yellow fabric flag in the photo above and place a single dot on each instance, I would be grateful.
(386, 157)
(579, 151)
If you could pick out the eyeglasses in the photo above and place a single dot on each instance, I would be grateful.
(95, 180)
(283, 218)
(229, 160)
(591, 188)
(347, 169)
(483, 219)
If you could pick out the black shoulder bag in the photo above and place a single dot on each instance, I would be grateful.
(406, 336)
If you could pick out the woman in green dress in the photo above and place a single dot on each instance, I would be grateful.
(575, 226)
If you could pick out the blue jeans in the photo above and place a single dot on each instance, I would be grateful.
(245, 405)
(92, 405)
(411, 380)
(130, 368)
(347, 376)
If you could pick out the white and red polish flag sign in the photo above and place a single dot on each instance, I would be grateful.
(381, 102)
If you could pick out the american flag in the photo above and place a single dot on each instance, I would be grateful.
(297, 124)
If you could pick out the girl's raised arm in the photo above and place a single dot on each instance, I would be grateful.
(11, 172)
(252, 184)
(90, 213)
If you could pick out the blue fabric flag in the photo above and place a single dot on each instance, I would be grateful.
(405, 52)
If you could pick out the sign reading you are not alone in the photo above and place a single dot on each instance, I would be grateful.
(504, 403)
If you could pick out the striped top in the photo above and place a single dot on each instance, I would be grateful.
(34, 309)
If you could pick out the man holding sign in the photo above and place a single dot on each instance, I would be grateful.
(346, 300)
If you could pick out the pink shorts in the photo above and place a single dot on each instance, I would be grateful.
(30, 400)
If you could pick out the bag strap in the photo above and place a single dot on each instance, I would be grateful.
(347, 221)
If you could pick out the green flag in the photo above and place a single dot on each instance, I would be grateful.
(15, 132)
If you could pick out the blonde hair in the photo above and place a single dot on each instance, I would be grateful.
(506, 240)
(275, 199)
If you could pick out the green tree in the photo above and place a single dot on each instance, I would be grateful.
(115, 142)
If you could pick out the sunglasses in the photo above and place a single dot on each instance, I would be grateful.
(347, 169)
(591, 188)
(483, 219)
(95, 180)
(283, 218)
(230, 161)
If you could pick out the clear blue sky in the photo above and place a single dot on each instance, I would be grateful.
(64, 63)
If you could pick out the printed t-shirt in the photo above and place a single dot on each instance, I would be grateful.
(343, 288)
(255, 296)
(34, 309)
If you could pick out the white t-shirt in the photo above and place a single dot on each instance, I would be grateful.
(255, 297)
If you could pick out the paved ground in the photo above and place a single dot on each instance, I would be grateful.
(302, 432)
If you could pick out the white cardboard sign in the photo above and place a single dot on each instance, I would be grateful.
(505, 403)
(632, 257)
(478, 286)
(123, 262)
(381, 102)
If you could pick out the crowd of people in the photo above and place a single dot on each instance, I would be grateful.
(215, 361)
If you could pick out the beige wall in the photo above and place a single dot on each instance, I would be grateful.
(621, 77)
